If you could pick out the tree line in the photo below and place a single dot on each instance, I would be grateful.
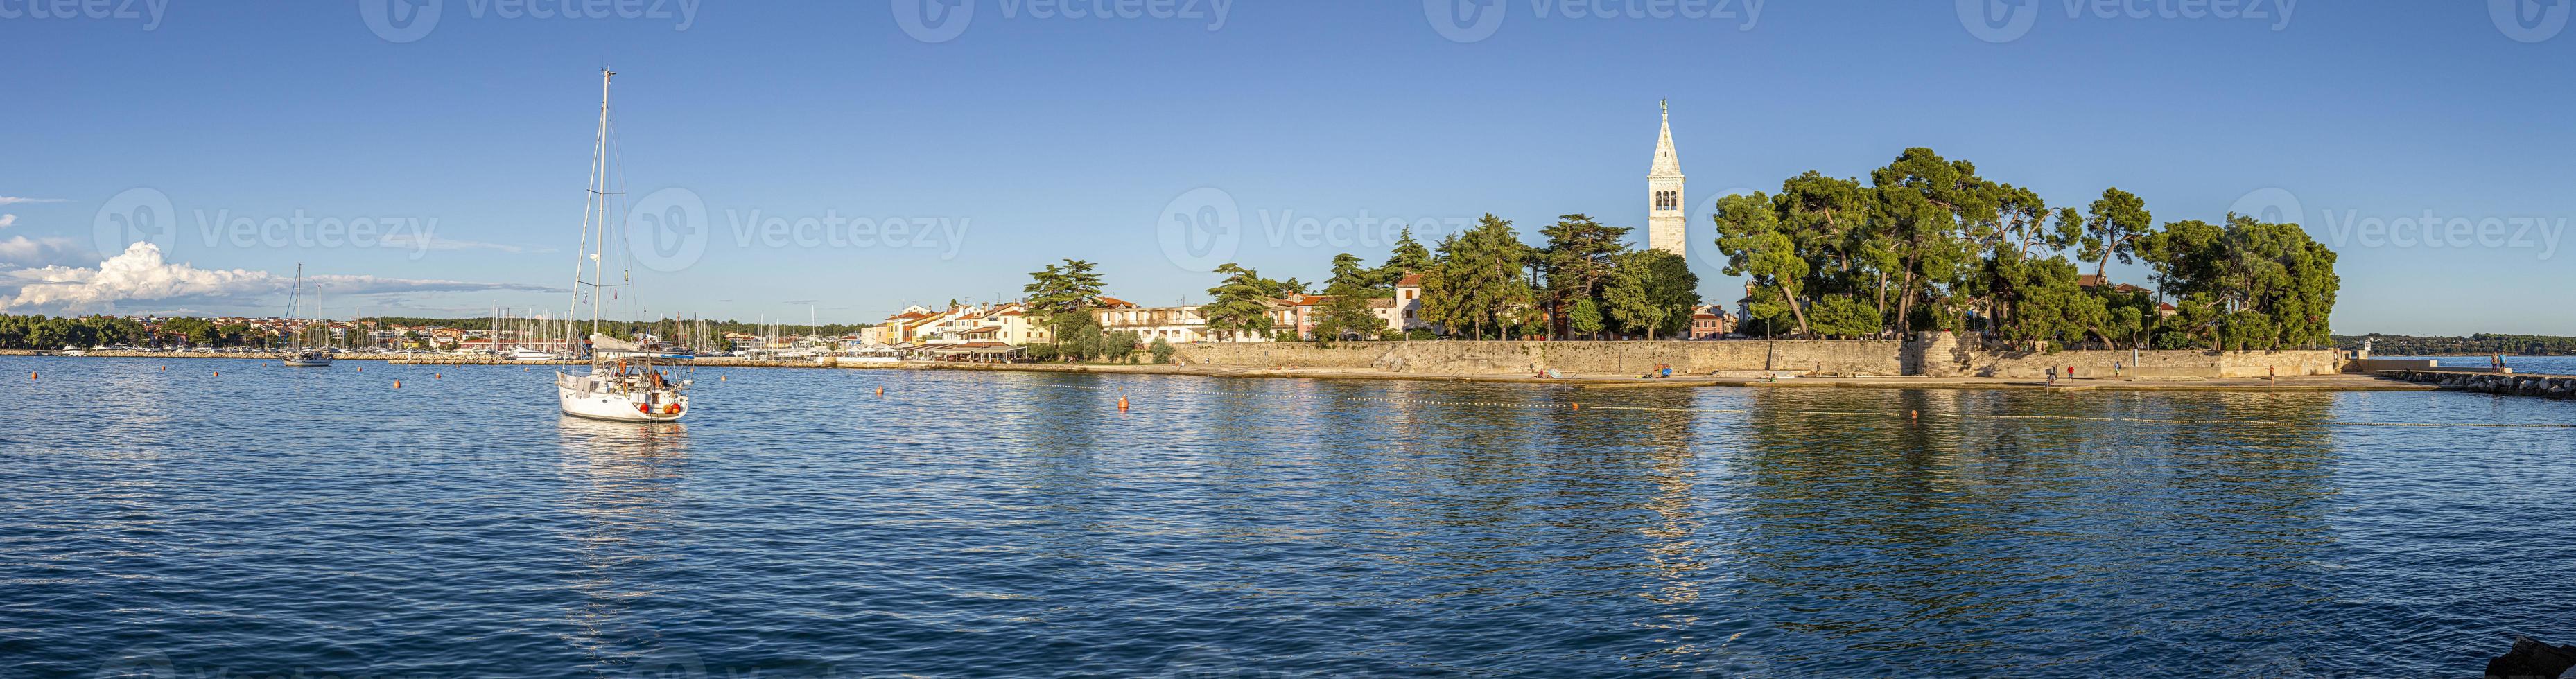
(2473, 345)
(48, 332)
(1484, 283)
(45, 332)
(1929, 244)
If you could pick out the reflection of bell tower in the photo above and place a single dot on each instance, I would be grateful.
(1665, 220)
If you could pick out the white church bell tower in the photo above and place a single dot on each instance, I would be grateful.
(1666, 218)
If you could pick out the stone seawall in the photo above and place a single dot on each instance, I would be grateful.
(2503, 384)
(1999, 360)
(1934, 355)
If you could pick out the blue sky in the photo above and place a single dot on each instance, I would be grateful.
(1039, 137)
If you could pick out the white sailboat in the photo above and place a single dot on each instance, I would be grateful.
(625, 382)
(297, 355)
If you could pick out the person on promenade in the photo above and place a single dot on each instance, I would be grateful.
(2052, 376)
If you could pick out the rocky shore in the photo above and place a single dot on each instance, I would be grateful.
(2532, 659)
(2502, 384)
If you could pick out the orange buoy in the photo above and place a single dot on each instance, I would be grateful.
(433, 376)
(397, 384)
(219, 373)
(31, 374)
(720, 378)
(880, 391)
(1122, 404)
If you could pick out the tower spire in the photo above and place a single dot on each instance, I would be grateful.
(1668, 162)
(1666, 220)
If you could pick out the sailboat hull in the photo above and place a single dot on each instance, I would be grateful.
(298, 362)
(594, 398)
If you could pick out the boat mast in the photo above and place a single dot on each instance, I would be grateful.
(293, 300)
(599, 253)
(594, 233)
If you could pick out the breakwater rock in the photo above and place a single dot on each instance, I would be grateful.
(2532, 659)
(2503, 384)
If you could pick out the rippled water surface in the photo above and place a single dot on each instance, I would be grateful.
(272, 520)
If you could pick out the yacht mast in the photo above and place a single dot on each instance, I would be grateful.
(594, 219)
(293, 300)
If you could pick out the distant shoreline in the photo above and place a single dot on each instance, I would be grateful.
(2314, 383)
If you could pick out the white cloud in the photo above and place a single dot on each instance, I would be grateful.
(141, 274)
(42, 251)
(7, 221)
(10, 200)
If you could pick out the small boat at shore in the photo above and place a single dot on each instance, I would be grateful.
(527, 354)
(875, 354)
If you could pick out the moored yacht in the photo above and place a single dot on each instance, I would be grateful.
(625, 382)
